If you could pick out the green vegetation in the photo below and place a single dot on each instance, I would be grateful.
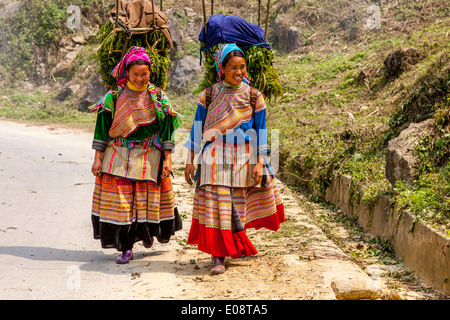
(41, 107)
(32, 35)
(340, 106)
(429, 196)
(263, 75)
(343, 108)
(114, 44)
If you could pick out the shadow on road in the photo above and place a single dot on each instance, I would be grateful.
(94, 261)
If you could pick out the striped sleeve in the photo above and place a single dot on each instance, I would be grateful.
(260, 102)
(202, 98)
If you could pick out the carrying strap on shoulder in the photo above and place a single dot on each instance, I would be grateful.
(253, 97)
(208, 96)
(253, 94)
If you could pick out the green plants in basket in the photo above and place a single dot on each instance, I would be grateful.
(260, 69)
(114, 43)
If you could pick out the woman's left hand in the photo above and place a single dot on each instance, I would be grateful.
(257, 172)
(167, 165)
(166, 169)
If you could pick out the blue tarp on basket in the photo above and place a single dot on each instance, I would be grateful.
(232, 29)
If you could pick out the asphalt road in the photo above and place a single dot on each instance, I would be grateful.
(47, 250)
(46, 246)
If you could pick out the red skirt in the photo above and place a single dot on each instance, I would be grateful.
(221, 215)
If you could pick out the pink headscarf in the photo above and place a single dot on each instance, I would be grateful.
(120, 71)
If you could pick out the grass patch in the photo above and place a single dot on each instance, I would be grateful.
(331, 122)
(39, 106)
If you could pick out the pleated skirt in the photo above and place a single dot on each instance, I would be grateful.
(222, 214)
(125, 211)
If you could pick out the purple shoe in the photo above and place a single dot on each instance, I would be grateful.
(125, 257)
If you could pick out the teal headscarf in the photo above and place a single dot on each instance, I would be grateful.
(222, 52)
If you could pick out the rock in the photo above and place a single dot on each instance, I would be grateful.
(75, 88)
(79, 40)
(184, 26)
(287, 37)
(94, 91)
(185, 71)
(356, 289)
(293, 39)
(192, 23)
(362, 289)
(65, 66)
(27, 86)
(56, 87)
(45, 88)
(9, 9)
(379, 270)
(401, 158)
(5, 98)
(187, 12)
(64, 93)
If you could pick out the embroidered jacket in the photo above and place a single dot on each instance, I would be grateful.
(133, 127)
(151, 120)
(239, 133)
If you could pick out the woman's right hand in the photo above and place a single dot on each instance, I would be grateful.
(97, 167)
(98, 163)
(189, 173)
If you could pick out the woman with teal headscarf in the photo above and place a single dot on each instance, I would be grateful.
(235, 189)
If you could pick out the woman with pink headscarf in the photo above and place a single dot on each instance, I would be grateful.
(134, 135)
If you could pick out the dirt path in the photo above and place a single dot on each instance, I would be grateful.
(47, 250)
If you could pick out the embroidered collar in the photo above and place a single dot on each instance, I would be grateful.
(228, 85)
(132, 87)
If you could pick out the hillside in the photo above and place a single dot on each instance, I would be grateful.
(345, 97)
